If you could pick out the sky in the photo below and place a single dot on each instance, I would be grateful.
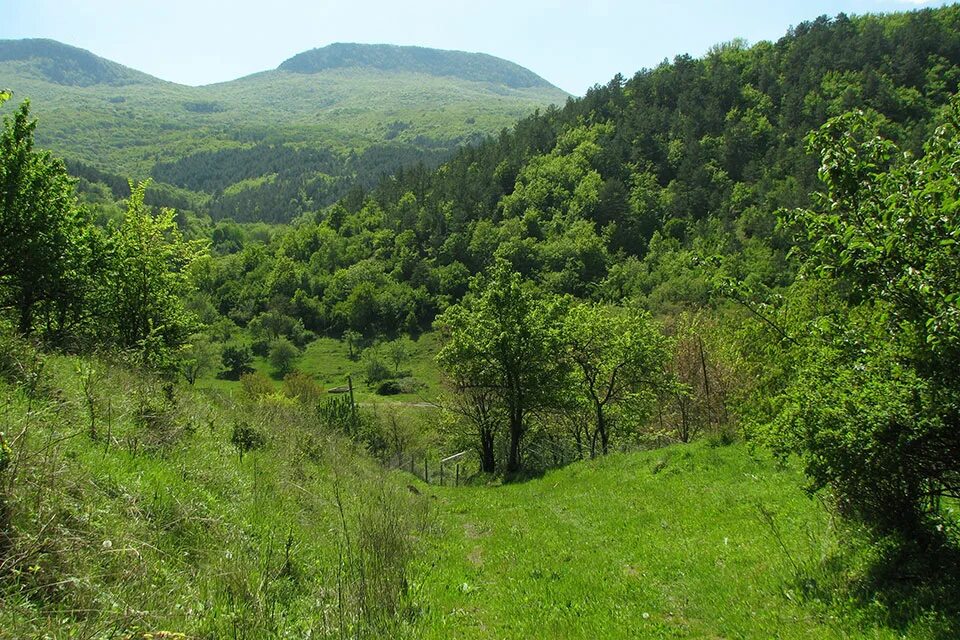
(572, 43)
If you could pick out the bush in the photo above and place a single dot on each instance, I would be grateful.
(873, 405)
(401, 385)
(389, 388)
(283, 354)
(256, 385)
(246, 438)
(302, 387)
(236, 360)
(375, 369)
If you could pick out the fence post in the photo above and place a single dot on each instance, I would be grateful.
(441, 474)
(457, 484)
(411, 462)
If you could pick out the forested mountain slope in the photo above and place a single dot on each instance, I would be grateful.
(629, 192)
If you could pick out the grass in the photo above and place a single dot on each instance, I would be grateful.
(146, 518)
(150, 520)
(685, 542)
(127, 129)
(328, 362)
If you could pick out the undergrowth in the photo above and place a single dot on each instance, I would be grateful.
(125, 510)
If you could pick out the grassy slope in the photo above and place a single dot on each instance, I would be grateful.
(129, 128)
(161, 526)
(327, 361)
(661, 544)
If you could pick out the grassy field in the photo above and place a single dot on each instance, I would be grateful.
(685, 542)
(328, 362)
(137, 508)
(127, 129)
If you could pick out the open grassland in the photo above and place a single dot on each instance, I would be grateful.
(686, 542)
(327, 361)
(137, 508)
(129, 128)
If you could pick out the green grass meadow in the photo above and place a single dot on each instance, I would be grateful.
(134, 512)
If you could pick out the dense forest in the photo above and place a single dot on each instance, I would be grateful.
(758, 245)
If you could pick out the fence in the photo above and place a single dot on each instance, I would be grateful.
(449, 470)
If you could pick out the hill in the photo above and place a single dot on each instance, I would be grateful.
(637, 191)
(57, 63)
(476, 67)
(359, 121)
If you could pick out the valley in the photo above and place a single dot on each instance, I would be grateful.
(398, 342)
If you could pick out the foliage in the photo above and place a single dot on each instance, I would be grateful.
(283, 355)
(199, 357)
(505, 337)
(149, 276)
(236, 360)
(256, 385)
(873, 406)
(302, 387)
(46, 262)
(246, 438)
(629, 193)
(619, 356)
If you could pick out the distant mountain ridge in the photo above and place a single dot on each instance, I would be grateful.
(475, 67)
(63, 64)
(273, 144)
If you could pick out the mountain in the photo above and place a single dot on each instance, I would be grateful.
(58, 63)
(276, 143)
(474, 67)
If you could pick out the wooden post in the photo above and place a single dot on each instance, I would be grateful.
(353, 405)
(441, 474)
(457, 484)
(411, 462)
(426, 472)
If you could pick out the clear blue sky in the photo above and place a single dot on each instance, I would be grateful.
(572, 43)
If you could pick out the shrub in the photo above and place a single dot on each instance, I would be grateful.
(236, 360)
(256, 385)
(302, 387)
(283, 354)
(246, 438)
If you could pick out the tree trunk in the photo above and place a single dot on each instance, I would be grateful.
(602, 430)
(516, 432)
(488, 463)
(25, 323)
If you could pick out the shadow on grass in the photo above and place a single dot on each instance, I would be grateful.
(910, 587)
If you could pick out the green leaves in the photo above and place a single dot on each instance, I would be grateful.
(619, 356)
(148, 276)
(506, 338)
(873, 404)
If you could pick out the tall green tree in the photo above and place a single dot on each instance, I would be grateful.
(149, 278)
(507, 338)
(44, 249)
(619, 358)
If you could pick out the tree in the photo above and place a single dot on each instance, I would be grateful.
(873, 406)
(149, 277)
(619, 357)
(282, 355)
(42, 257)
(199, 356)
(399, 352)
(236, 360)
(506, 338)
(352, 338)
